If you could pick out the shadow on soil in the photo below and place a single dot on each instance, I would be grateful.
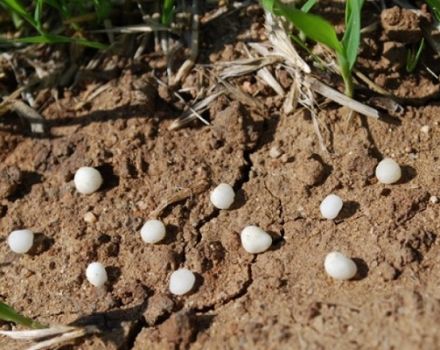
(362, 267)
(29, 179)
(348, 210)
(113, 326)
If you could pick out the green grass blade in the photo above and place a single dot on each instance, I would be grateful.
(412, 57)
(167, 12)
(308, 5)
(38, 12)
(17, 20)
(435, 8)
(17, 7)
(352, 35)
(102, 9)
(58, 39)
(314, 27)
(8, 314)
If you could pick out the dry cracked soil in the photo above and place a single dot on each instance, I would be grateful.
(280, 299)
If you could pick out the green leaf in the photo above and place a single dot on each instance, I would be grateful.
(352, 35)
(314, 27)
(267, 5)
(8, 314)
(435, 8)
(308, 5)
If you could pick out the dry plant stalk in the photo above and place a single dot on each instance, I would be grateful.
(181, 195)
(50, 337)
(199, 107)
(189, 63)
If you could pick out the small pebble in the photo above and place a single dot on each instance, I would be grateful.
(284, 158)
(331, 206)
(89, 217)
(153, 231)
(182, 281)
(96, 274)
(87, 180)
(433, 199)
(338, 266)
(425, 129)
(254, 240)
(21, 241)
(222, 196)
(275, 152)
(388, 171)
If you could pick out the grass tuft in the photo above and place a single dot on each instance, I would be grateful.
(39, 14)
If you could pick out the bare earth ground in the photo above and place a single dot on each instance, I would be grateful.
(281, 299)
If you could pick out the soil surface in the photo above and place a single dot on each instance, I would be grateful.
(280, 299)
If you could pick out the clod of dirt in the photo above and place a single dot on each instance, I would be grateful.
(359, 162)
(10, 179)
(310, 171)
(387, 271)
(401, 25)
(159, 306)
(180, 329)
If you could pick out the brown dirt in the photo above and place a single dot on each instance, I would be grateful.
(281, 299)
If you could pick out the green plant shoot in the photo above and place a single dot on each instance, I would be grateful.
(167, 12)
(8, 314)
(413, 57)
(320, 30)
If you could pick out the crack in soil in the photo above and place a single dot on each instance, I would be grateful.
(243, 179)
(139, 324)
(243, 291)
(280, 203)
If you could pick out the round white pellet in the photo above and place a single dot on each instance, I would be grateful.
(96, 274)
(21, 241)
(222, 196)
(153, 231)
(331, 206)
(388, 171)
(340, 267)
(87, 180)
(182, 281)
(254, 240)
